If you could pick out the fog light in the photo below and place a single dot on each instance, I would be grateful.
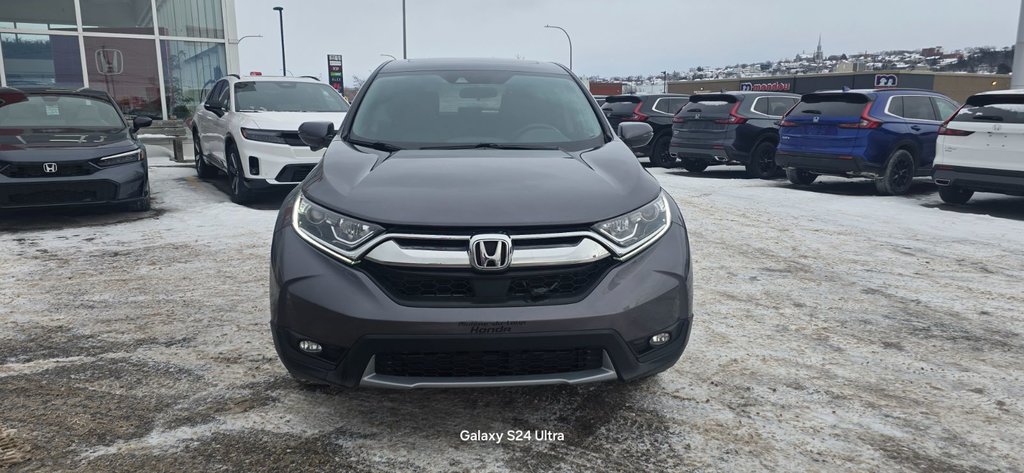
(310, 346)
(660, 339)
(254, 165)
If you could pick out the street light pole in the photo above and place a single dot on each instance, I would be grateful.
(570, 41)
(664, 80)
(405, 45)
(284, 64)
(1017, 81)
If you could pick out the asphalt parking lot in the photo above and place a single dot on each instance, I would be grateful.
(835, 330)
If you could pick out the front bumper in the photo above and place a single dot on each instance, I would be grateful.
(120, 184)
(278, 164)
(981, 180)
(314, 297)
(841, 165)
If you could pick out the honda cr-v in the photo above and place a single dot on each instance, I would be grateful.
(478, 223)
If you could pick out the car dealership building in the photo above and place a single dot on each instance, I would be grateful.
(155, 57)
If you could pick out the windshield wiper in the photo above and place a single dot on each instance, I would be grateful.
(494, 146)
(990, 118)
(812, 112)
(377, 145)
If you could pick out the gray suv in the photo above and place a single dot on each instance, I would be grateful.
(478, 223)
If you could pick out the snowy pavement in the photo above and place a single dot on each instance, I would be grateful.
(836, 330)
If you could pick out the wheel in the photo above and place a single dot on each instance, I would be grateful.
(899, 174)
(800, 177)
(660, 152)
(240, 192)
(203, 169)
(955, 195)
(762, 161)
(694, 166)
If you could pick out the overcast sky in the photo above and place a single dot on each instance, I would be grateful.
(610, 37)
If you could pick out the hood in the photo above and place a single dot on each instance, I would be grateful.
(481, 188)
(34, 147)
(290, 121)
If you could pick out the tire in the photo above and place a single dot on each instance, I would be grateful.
(955, 195)
(660, 152)
(800, 177)
(203, 169)
(694, 166)
(762, 162)
(899, 174)
(240, 192)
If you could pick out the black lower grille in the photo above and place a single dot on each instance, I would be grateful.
(488, 363)
(36, 170)
(561, 285)
(294, 172)
(57, 193)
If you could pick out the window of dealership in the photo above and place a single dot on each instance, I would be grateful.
(155, 57)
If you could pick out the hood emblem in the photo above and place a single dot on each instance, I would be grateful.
(50, 168)
(490, 252)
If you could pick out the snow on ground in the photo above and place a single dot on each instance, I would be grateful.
(835, 330)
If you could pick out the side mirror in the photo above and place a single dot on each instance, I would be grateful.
(635, 135)
(216, 110)
(141, 122)
(316, 135)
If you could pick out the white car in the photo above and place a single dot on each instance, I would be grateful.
(981, 148)
(248, 128)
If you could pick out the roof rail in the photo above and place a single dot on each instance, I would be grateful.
(312, 77)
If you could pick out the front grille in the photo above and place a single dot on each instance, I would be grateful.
(35, 170)
(294, 172)
(461, 287)
(57, 193)
(488, 363)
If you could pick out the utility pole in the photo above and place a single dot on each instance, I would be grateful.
(1017, 81)
(405, 44)
(664, 80)
(284, 64)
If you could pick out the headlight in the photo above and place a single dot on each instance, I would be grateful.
(638, 228)
(264, 136)
(330, 230)
(129, 157)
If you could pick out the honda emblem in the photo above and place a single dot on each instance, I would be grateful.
(50, 168)
(490, 252)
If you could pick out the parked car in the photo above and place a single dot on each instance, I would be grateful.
(656, 110)
(730, 128)
(981, 148)
(600, 99)
(478, 223)
(61, 147)
(887, 135)
(248, 127)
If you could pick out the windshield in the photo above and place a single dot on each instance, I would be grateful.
(992, 108)
(439, 109)
(55, 111)
(283, 96)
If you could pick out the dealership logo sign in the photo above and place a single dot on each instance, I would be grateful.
(886, 80)
(109, 62)
(766, 87)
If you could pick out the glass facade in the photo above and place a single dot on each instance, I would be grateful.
(155, 57)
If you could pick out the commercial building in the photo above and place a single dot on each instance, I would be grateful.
(957, 86)
(155, 57)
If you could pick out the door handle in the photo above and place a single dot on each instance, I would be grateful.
(915, 128)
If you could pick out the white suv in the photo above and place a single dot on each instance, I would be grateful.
(981, 148)
(248, 128)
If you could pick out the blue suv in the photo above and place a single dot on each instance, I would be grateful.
(884, 134)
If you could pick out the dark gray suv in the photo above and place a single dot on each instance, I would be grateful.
(478, 223)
